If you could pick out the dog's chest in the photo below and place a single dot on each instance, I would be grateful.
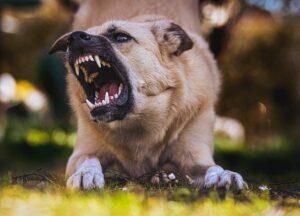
(136, 162)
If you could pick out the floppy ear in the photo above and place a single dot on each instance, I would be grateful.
(171, 37)
(60, 44)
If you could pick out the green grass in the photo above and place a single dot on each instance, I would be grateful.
(43, 196)
(136, 200)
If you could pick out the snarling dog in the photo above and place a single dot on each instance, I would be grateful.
(144, 93)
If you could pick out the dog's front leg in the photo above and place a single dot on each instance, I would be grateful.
(193, 152)
(84, 168)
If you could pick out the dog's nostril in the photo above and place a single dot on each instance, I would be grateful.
(79, 35)
(84, 36)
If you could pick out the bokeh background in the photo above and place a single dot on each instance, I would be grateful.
(257, 46)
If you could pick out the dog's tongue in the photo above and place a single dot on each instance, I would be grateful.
(111, 88)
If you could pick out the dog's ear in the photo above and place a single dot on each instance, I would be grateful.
(60, 44)
(171, 37)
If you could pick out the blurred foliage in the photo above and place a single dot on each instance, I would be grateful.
(258, 55)
(31, 142)
(272, 160)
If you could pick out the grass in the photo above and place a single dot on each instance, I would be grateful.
(42, 195)
(16, 200)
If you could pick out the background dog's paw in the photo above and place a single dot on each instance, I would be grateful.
(88, 176)
(217, 177)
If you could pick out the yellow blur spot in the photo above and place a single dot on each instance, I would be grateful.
(37, 137)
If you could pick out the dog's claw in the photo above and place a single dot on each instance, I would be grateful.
(217, 177)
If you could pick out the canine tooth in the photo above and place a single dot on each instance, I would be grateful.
(98, 61)
(111, 97)
(116, 96)
(120, 89)
(91, 57)
(90, 104)
(77, 69)
(108, 65)
(86, 58)
(106, 97)
(79, 61)
(103, 102)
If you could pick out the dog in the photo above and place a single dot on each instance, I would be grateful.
(143, 91)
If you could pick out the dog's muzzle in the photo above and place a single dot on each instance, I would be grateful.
(101, 74)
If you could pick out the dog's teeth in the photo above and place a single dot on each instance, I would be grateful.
(76, 69)
(98, 61)
(90, 104)
(108, 65)
(115, 96)
(79, 60)
(103, 102)
(98, 103)
(106, 98)
(86, 58)
(91, 58)
(120, 89)
(111, 97)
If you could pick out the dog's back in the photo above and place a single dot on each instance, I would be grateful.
(95, 12)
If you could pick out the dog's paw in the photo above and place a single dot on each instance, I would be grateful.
(217, 177)
(87, 176)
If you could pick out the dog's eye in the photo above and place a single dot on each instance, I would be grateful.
(120, 37)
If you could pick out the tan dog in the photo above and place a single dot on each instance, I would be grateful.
(144, 93)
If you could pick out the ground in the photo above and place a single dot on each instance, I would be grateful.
(136, 200)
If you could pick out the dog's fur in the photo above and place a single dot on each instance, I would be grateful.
(175, 84)
(94, 12)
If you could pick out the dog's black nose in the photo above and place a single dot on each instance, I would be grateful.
(79, 36)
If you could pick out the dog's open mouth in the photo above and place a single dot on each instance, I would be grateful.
(105, 86)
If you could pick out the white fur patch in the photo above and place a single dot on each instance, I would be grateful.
(217, 177)
(87, 176)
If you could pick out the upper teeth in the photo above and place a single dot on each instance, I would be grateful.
(88, 77)
(87, 58)
(98, 61)
(106, 100)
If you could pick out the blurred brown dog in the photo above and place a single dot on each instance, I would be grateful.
(143, 91)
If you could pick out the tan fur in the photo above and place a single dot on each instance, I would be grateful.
(95, 12)
(173, 116)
